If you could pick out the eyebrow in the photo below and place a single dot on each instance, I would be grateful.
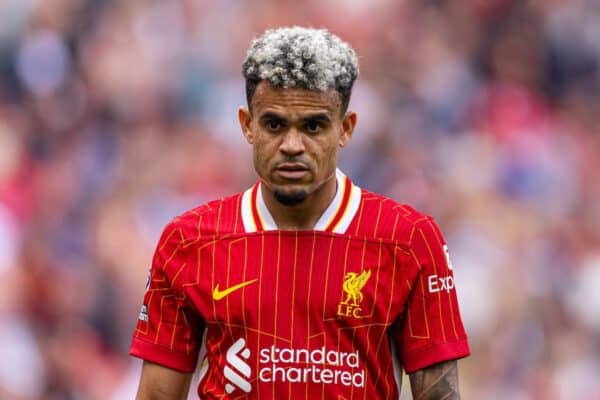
(269, 115)
(319, 117)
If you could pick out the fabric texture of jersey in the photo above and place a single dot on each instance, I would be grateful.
(317, 314)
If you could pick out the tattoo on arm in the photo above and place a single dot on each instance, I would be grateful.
(438, 382)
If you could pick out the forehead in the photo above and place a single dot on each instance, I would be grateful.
(294, 100)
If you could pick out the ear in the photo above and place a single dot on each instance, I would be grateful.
(348, 124)
(245, 117)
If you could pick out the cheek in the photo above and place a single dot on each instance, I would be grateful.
(263, 151)
(259, 156)
(260, 163)
(328, 152)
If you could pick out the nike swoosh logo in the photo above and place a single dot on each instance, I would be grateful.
(219, 294)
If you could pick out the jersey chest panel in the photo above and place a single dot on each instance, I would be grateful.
(297, 294)
(281, 282)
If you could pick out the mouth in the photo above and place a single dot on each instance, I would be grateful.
(291, 171)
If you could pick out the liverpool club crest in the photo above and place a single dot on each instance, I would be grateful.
(352, 286)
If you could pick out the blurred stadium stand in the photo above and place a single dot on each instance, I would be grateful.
(117, 115)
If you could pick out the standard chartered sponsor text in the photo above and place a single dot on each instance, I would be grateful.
(315, 366)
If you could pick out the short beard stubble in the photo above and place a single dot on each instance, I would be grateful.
(290, 199)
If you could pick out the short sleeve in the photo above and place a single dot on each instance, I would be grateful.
(430, 330)
(168, 330)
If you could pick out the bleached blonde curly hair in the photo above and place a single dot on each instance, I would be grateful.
(296, 57)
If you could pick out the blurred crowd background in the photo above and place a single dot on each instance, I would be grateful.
(117, 115)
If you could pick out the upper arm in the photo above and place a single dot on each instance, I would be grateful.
(162, 383)
(437, 382)
(168, 331)
(169, 327)
(430, 329)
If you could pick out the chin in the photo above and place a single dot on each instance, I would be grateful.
(290, 197)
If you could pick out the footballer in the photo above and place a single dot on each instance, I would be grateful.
(303, 286)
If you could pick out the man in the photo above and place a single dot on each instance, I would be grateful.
(303, 286)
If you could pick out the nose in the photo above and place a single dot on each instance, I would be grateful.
(292, 143)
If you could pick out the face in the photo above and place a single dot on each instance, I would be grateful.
(295, 134)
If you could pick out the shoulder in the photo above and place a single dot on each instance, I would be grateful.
(211, 219)
(384, 218)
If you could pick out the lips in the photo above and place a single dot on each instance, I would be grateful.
(291, 171)
(292, 167)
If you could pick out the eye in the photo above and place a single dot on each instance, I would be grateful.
(313, 126)
(273, 125)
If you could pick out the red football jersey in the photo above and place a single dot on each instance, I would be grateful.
(317, 314)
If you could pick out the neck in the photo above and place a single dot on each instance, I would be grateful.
(305, 215)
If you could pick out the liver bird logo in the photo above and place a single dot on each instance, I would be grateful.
(353, 284)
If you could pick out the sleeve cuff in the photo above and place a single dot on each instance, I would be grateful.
(163, 356)
(417, 359)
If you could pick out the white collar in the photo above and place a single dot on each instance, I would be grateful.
(336, 218)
